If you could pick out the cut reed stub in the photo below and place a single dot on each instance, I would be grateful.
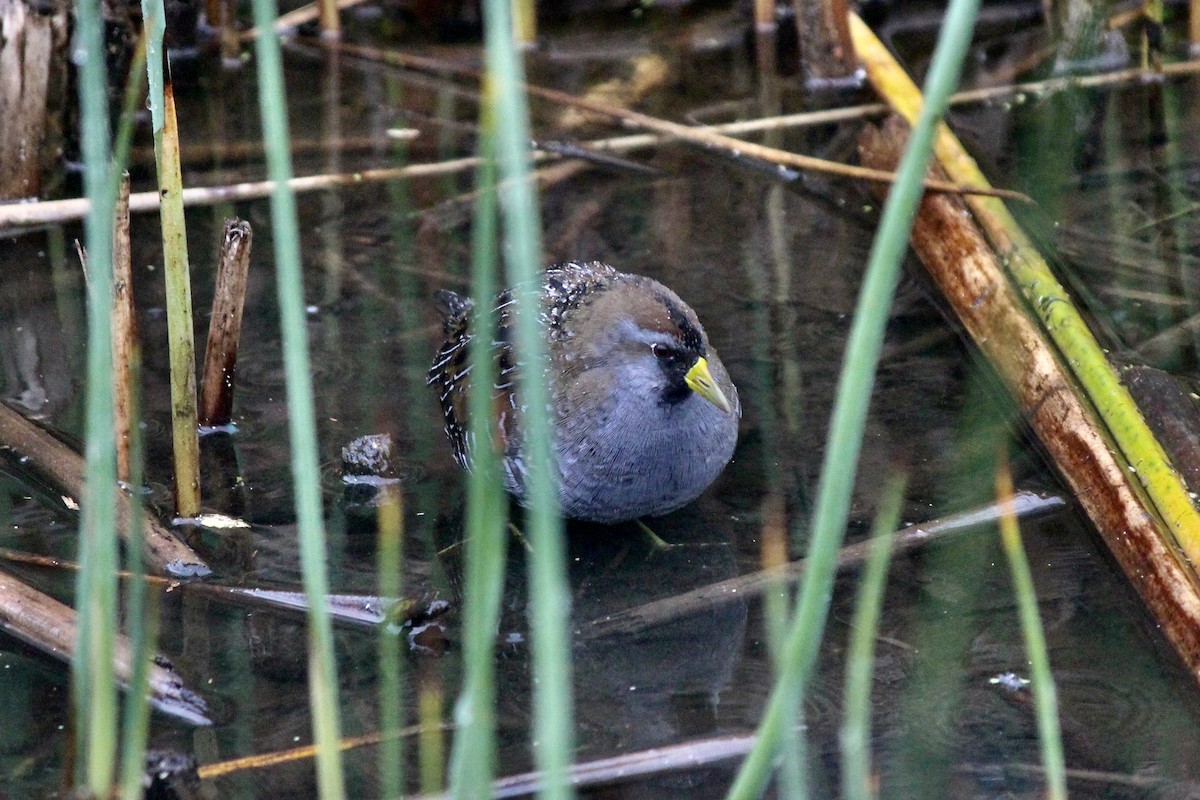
(225, 326)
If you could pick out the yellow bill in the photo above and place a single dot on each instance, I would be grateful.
(700, 381)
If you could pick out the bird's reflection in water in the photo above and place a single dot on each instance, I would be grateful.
(639, 686)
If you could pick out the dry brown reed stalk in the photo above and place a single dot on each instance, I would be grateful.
(50, 626)
(301, 15)
(164, 554)
(124, 332)
(524, 16)
(225, 325)
(331, 23)
(26, 56)
(705, 137)
(1194, 26)
(962, 262)
(24, 215)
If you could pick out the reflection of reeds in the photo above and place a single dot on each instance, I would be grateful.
(322, 672)
(855, 734)
(853, 395)
(1045, 696)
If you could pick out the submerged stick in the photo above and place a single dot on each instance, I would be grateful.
(164, 553)
(225, 325)
(704, 598)
(962, 262)
(52, 627)
(350, 609)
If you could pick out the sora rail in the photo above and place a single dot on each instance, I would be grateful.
(643, 414)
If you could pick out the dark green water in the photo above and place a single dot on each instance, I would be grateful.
(772, 270)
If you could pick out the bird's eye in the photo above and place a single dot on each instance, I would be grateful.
(663, 352)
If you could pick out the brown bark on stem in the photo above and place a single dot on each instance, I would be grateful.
(963, 264)
(225, 325)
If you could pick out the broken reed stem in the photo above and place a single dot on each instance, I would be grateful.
(52, 627)
(964, 265)
(331, 25)
(164, 554)
(705, 137)
(1058, 316)
(179, 314)
(225, 325)
(124, 331)
(1194, 26)
(524, 16)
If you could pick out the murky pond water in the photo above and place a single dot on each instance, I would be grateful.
(772, 269)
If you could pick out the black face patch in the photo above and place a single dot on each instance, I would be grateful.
(689, 334)
(680, 356)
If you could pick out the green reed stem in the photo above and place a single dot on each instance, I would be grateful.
(473, 759)
(94, 685)
(549, 599)
(853, 398)
(1045, 696)
(176, 271)
(855, 734)
(322, 670)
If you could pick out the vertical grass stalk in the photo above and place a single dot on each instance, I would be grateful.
(322, 670)
(473, 759)
(855, 734)
(549, 599)
(853, 397)
(94, 688)
(1045, 696)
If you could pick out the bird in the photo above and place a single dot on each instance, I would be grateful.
(644, 416)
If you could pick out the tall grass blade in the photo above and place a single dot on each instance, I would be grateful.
(855, 734)
(1045, 696)
(94, 685)
(549, 599)
(853, 397)
(473, 760)
(322, 670)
